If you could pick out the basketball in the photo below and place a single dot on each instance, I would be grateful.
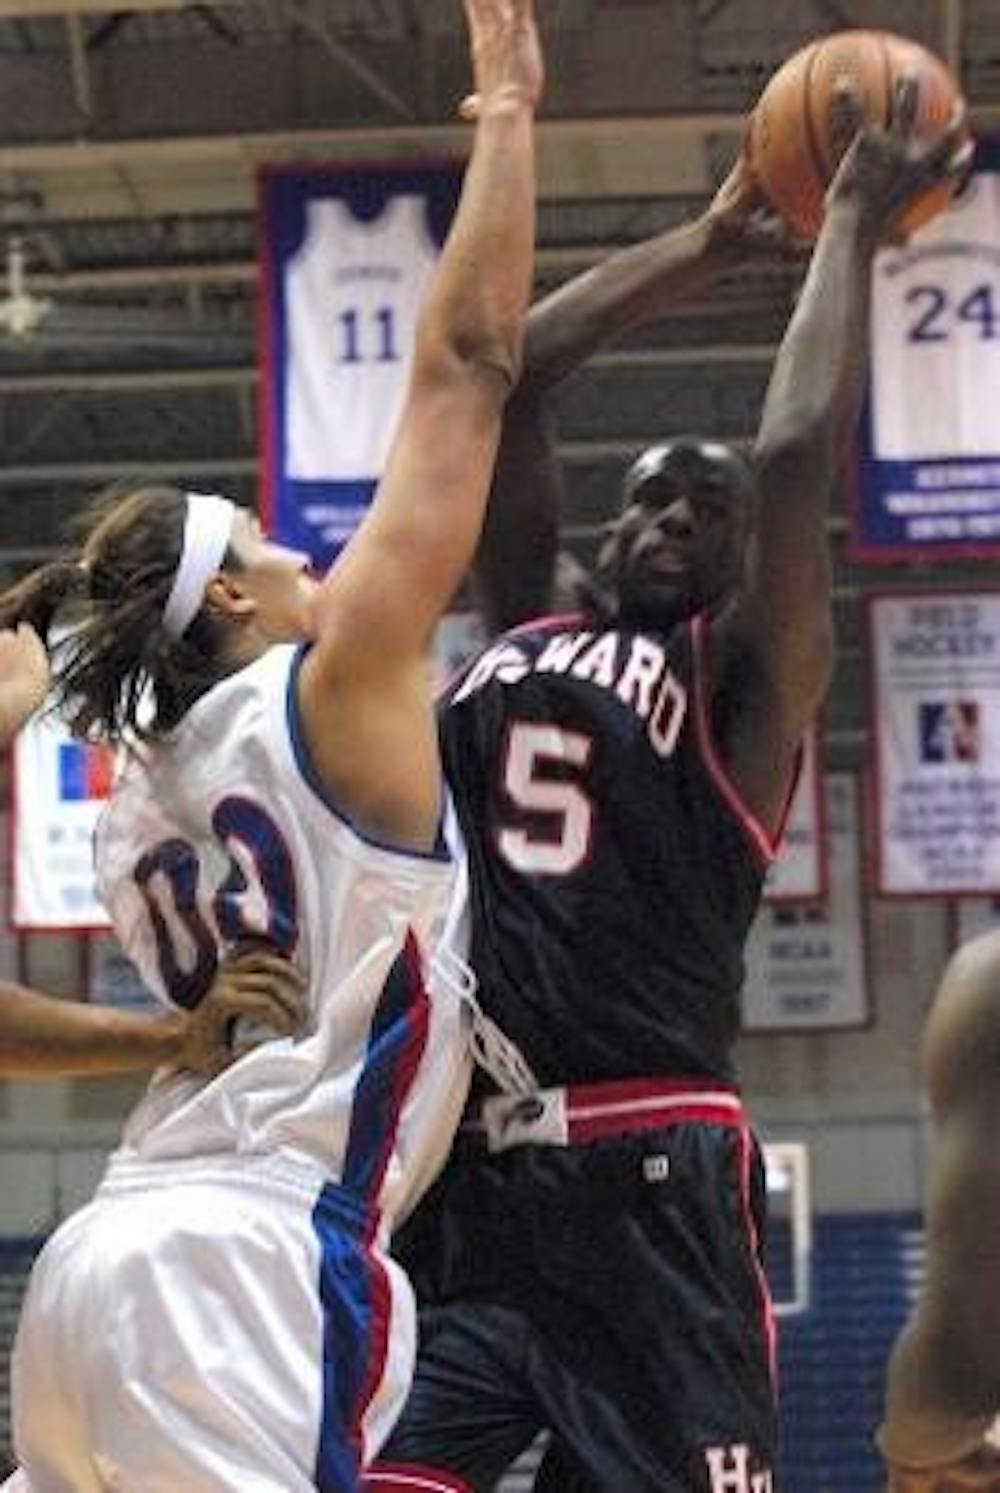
(792, 152)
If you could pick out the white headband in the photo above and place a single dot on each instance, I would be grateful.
(207, 530)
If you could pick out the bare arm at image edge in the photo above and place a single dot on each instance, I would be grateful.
(42, 1036)
(24, 678)
(943, 1383)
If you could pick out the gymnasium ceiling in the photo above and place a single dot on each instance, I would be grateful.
(129, 141)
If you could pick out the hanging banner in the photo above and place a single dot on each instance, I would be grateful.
(929, 474)
(800, 872)
(59, 789)
(345, 255)
(935, 670)
(806, 966)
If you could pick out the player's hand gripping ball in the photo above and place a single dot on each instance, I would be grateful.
(795, 145)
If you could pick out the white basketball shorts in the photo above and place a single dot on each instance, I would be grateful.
(210, 1328)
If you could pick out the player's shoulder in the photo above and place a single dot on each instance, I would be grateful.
(969, 990)
(503, 653)
(589, 626)
(548, 623)
(962, 1034)
(976, 960)
(979, 1470)
(237, 709)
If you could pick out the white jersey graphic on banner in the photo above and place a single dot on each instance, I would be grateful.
(938, 298)
(352, 292)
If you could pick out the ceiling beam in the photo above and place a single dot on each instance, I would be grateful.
(28, 9)
(421, 139)
(117, 277)
(83, 93)
(952, 29)
(167, 380)
(94, 473)
(318, 25)
(89, 474)
(135, 381)
(212, 174)
(579, 159)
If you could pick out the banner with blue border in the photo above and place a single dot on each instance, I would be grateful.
(60, 787)
(934, 669)
(345, 254)
(928, 481)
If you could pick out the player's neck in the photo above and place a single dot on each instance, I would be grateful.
(243, 647)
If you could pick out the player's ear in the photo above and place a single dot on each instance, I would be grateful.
(225, 594)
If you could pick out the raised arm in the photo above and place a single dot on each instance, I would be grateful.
(943, 1387)
(780, 632)
(364, 689)
(637, 284)
(516, 556)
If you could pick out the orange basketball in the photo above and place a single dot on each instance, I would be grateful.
(791, 150)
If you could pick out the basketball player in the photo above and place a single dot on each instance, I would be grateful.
(44, 1037)
(593, 1253)
(943, 1390)
(225, 1315)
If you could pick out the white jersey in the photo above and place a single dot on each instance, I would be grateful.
(935, 344)
(221, 831)
(353, 293)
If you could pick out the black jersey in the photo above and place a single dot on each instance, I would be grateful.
(615, 873)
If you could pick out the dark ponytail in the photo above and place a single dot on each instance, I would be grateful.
(42, 594)
(117, 671)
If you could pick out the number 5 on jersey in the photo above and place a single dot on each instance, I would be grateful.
(531, 754)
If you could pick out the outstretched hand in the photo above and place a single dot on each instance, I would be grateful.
(24, 677)
(506, 54)
(740, 212)
(887, 170)
(253, 989)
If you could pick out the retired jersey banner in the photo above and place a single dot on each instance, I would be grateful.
(935, 670)
(929, 475)
(799, 874)
(59, 789)
(806, 967)
(345, 257)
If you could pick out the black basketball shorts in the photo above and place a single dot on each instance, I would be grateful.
(590, 1263)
